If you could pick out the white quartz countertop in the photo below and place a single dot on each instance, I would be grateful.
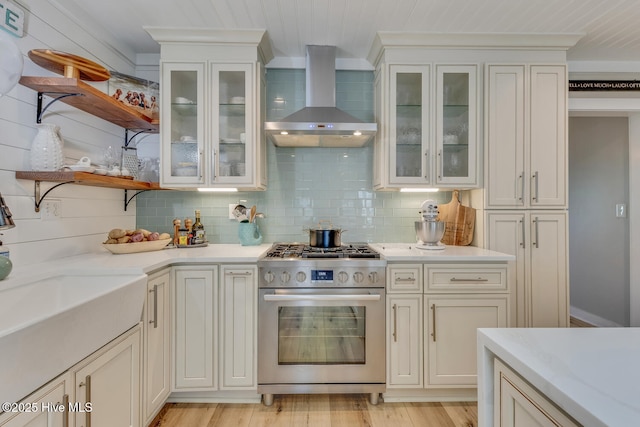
(138, 263)
(593, 374)
(410, 252)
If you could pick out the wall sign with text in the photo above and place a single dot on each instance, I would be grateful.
(11, 18)
(604, 85)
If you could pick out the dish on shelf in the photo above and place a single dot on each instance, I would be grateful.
(132, 248)
(100, 171)
(230, 141)
(81, 168)
(236, 100)
(184, 105)
(186, 171)
(182, 100)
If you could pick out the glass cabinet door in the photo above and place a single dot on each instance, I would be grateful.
(232, 118)
(456, 110)
(182, 123)
(409, 120)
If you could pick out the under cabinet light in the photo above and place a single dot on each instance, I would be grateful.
(218, 190)
(419, 190)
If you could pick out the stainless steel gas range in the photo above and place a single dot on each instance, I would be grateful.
(321, 320)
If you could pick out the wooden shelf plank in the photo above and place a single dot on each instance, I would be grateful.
(92, 101)
(85, 178)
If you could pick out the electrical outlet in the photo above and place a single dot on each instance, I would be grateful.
(232, 206)
(51, 209)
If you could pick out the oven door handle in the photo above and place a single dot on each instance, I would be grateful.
(302, 297)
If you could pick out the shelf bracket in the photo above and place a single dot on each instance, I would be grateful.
(60, 96)
(36, 193)
(128, 200)
(128, 140)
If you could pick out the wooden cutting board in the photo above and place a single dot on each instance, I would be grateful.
(69, 65)
(460, 222)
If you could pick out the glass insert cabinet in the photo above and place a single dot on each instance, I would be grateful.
(212, 108)
(207, 131)
(431, 138)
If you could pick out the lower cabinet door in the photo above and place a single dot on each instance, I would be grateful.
(46, 407)
(195, 323)
(107, 387)
(451, 323)
(238, 311)
(404, 341)
(156, 345)
(517, 404)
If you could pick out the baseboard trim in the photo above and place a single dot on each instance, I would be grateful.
(590, 319)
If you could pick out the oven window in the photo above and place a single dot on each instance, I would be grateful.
(321, 335)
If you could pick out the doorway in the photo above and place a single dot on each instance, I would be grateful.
(598, 221)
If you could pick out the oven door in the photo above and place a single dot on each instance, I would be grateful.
(321, 336)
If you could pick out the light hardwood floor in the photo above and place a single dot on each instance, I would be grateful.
(331, 410)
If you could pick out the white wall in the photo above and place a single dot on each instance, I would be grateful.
(87, 212)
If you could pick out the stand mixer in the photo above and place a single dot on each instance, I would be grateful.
(429, 231)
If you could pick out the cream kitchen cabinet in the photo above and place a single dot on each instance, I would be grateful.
(451, 323)
(212, 107)
(433, 311)
(459, 299)
(404, 341)
(46, 407)
(538, 240)
(517, 403)
(107, 385)
(526, 145)
(238, 327)
(404, 326)
(195, 296)
(428, 120)
(156, 322)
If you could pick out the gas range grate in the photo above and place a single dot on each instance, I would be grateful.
(301, 250)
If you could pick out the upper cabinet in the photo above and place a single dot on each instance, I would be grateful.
(212, 107)
(526, 136)
(428, 113)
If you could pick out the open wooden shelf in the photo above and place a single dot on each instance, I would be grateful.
(84, 178)
(92, 101)
(91, 179)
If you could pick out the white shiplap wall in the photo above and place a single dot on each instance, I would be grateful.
(87, 212)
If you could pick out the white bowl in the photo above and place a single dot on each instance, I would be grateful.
(82, 168)
(135, 247)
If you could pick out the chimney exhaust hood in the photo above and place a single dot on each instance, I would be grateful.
(320, 123)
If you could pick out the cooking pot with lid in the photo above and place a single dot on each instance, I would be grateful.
(325, 236)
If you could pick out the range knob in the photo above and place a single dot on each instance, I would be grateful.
(301, 277)
(269, 277)
(373, 277)
(285, 277)
(343, 277)
(358, 277)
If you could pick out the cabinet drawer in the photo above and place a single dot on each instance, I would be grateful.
(466, 278)
(404, 278)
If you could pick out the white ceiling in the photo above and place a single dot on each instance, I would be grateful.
(611, 28)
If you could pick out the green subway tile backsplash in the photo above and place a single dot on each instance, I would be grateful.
(305, 185)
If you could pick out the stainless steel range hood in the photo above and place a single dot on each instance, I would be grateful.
(320, 123)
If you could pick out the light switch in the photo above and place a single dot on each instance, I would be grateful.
(621, 210)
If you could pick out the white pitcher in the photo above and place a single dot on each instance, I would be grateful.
(46, 148)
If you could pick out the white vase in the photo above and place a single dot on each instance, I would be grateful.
(46, 148)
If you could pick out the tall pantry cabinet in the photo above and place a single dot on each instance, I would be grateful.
(526, 185)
